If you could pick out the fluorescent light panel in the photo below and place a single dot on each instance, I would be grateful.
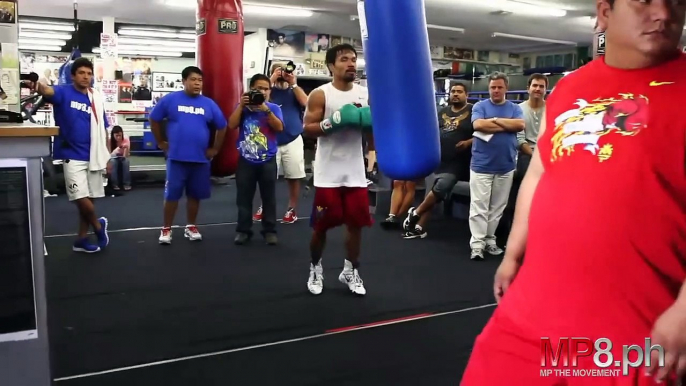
(251, 9)
(155, 42)
(155, 34)
(265, 10)
(125, 47)
(534, 39)
(97, 50)
(532, 9)
(32, 47)
(445, 28)
(44, 35)
(43, 42)
(46, 27)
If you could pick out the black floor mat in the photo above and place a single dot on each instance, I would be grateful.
(139, 302)
(431, 351)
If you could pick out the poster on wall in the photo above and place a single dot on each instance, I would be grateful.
(108, 46)
(287, 44)
(336, 40)
(125, 92)
(8, 12)
(166, 82)
(317, 42)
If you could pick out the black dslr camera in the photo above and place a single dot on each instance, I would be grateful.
(255, 98)
(289, 67)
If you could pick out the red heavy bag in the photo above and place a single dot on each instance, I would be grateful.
(219, 26)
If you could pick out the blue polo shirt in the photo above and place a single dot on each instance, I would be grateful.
(497, 156)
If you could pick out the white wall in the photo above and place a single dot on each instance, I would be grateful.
(175, 65)
(254, 53)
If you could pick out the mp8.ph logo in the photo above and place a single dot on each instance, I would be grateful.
(561, 358)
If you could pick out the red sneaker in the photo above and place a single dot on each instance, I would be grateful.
(257, 217)
(290, 217)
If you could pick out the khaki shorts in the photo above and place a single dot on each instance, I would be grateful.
(290, 159)
(81, 182)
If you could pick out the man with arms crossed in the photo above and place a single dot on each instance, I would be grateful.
(496, 124)
(457, 130)
(338, 113)
(598, 247)
(290, 158)
(191, 117)
(534, 113)
(77, 108)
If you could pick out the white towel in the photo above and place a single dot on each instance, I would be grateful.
(99, 155)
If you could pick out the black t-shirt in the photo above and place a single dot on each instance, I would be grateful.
(455, 127)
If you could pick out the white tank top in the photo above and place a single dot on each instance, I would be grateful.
(339, 160)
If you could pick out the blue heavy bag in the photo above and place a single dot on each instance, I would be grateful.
(65, 70)
(401, 90)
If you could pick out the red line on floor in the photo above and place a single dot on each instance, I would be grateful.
(380, 323)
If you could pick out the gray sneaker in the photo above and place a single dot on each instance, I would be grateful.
(271, 238)
(477, 254)
(241, 239)
(494, 250)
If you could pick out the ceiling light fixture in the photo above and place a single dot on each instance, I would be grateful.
(266, 10)
(155, 34)
(126, 47)
(96, 50)
(254, 9)
(534, 39)
(44, 35)
(46, 27)
(32, 47)
(43, 42)
(157, 42)
(531, 9)
(445, 28)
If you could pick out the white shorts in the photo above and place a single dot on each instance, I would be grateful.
(290, 159)
(81, 182)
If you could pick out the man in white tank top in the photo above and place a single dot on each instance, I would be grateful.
(338, 115)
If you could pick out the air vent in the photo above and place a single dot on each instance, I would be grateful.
(501, 13)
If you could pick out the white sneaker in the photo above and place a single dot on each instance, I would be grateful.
(352, 279)
(165, 236)
(191, 233)
(315, 284)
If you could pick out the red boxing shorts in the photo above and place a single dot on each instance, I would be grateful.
(334, 207)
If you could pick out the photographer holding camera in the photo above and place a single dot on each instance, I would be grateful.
(290, 159)
(259, 121)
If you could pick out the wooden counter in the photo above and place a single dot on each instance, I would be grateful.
(27, 130)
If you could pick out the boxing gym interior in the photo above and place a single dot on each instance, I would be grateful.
(213, 312)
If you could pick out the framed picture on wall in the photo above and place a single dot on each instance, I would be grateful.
(166, 82)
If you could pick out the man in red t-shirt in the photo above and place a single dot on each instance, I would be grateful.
(601, 215)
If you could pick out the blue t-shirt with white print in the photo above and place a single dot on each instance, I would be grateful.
(190, 120)
(72, 109)
(497, 156)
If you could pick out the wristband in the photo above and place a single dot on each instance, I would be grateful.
(325, 125)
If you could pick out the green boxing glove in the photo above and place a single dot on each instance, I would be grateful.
(346, 116)
(366, 119)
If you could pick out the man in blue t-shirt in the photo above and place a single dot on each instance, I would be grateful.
(290, 158)
(259, 123)
(191, 119)
(494, 153)
(78, 109)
